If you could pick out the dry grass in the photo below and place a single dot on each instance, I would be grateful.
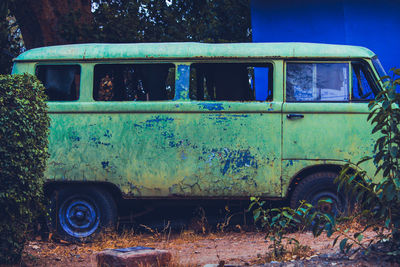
(111, 240)
(178, 243)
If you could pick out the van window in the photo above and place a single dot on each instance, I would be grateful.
(62, 82)
(363, 85)
(231, 82)
(134, 82)
(313, 82)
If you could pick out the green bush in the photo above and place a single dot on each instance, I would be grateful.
(380, 200)
(24, 126)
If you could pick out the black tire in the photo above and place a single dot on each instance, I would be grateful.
(78, 213)
(320, 186)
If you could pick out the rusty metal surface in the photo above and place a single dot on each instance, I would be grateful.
(193, 51)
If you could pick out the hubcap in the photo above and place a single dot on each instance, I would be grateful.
(331, 205)
(79, 217)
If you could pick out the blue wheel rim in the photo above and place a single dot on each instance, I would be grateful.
(79, 217)
(334, 208)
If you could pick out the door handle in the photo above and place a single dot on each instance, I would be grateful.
(294, 116)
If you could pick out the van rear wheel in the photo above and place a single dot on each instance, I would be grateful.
(77, 214)
(320, 186)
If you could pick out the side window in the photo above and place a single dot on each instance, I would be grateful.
(134, 82)
(62, 82)
(314, 82)
(231, 82)
(363, 84)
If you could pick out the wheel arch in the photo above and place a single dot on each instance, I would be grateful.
(51, 186)
(307, 171)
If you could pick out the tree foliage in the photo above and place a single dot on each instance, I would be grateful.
(120, 21)
(40, 20)
(117, 21)
(10, 39)
(24, 127)
(56, 22)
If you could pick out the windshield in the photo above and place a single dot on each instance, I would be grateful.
(378, 67)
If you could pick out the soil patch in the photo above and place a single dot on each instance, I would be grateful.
(190, 249)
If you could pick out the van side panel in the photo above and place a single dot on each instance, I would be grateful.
(21, 68)
(329, 133)
(188, 149)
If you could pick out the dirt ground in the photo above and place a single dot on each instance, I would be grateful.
(190, 249)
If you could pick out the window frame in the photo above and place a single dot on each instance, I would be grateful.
(270, 62)
(364, 62)
(312, 61)
(369, 75)
(130, 62)
(81, 70)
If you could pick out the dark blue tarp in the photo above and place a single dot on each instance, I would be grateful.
(374, 24)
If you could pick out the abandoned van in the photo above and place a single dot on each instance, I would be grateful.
(195, 120)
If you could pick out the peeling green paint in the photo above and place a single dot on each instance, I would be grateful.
(201, 154)
(182, 82)
(156, 51)
(211, 106)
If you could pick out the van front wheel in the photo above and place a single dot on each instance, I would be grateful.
(319, 186)
(77, 214)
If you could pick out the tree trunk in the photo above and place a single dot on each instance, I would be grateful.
(40, 20)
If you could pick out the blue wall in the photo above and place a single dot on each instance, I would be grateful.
(368, 23)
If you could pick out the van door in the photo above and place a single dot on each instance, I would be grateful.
(325, 114)
(236, 128)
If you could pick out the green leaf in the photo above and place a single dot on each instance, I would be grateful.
(342, 244)
(335, 240)
(387, 222)
(397, 183)
(394, 151)
(329, 230)
(348, 247)
(385, 104)
(360, 237)
(287, 215)
(325, 200)
(396, 71)
(256, 214)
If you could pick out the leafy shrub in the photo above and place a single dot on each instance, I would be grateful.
(24, 127)
(279, 222)
(379, 199)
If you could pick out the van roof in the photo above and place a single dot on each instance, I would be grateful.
(190, 50)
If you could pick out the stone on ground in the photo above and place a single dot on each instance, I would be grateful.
(133, 257)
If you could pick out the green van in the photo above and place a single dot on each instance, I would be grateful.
(194, 120)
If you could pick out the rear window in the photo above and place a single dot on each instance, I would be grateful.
(134, 82)
(62, 82)
(315, 82)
